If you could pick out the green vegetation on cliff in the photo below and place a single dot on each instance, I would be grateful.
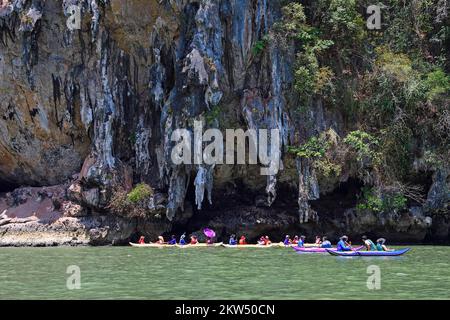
(392, 85)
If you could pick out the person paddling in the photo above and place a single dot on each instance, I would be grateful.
(301, 242)
(287, 240)
(262, 241)
(242, 240)
(182, 239)
(173, 241)
(326, 243)
(370, 246)
(160, 240)
(343, 244)
(267, 241)
(295, 241)
(194, 240)
(232, 240)
(142, 240)
(381, 245)
(318, 240)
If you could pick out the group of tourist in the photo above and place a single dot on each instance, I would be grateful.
(345, 245)
(322, 242)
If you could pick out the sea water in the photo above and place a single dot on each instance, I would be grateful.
(219, 273)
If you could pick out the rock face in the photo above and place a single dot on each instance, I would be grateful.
(88, 110)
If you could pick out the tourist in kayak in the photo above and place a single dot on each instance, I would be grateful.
(242, 240)
(301, 242)
(370, 246)
(343, 244)
(287, 240)
(182, 239)
(318, 240)
(209, 240)
(381, 245)
(232, 240)
(142, 240)
(194, 240)
(295, 241)
(160, 240)
(173, 241)
(267, 241)
(262, 241)
(326, 243)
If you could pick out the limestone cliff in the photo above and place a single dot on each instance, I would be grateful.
(85, 113)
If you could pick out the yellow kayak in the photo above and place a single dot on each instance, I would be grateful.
(157, 245)
(259, 246)
(306, 245)
(199, 245)
(220, 244)
(152, 245)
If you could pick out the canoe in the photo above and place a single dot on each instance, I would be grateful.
(152, 245)
(156, 245)
(320, 250)
(368, 253)
(241, 246)
(199, 245)
(306, 245)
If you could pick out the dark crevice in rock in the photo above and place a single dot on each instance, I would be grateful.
(6, 186)
(334, 204)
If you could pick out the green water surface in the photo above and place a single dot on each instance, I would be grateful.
(219, 273)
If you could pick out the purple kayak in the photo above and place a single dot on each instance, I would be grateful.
(320, 250)
(369, 253)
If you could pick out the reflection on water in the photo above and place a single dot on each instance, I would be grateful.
(138, 273)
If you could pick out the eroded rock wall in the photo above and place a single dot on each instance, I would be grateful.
(94, 108)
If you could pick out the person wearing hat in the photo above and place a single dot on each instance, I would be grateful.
(267, 241)
(232, 240)
(295, 241)
(370, 246)
(287, 240)
(182, 239)
(301, 242)
(160, 240)
(381, 245)
(343, 244)
(142, 240)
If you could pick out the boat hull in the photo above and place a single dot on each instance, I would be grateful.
(242, 246)
(368, 253)
(320, 250)
(155, 245)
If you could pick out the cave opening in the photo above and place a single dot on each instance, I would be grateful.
(335, 203)
(230, 203)
(6, 186)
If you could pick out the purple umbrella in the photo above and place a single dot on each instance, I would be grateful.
(209, 233)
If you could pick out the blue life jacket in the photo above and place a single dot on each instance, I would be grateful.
(172, 242)
(286, 242)
(342, 247)
(380, 247)
(182, 241)
(300, 243)
(232, 242)
(326, 244)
